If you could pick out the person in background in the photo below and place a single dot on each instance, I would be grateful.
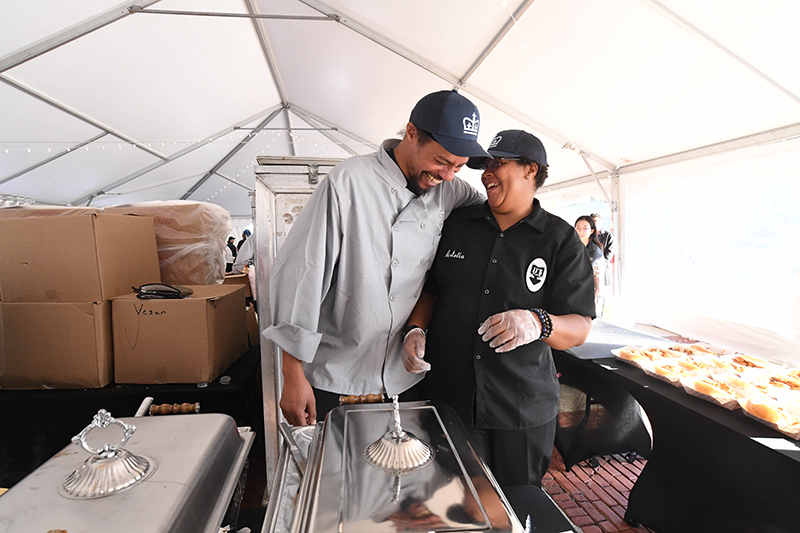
(509, 282)
(353, 265)
(245, 235)
(229, 255)
(232, 246)
(603, 237)
(587, 231)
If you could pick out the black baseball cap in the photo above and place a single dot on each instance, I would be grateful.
(513, 144)
(452, 121)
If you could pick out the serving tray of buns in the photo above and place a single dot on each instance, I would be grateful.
(766, 391)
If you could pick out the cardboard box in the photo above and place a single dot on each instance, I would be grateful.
(191, 340)
(55, 345)
(239, 279)
(84, 258)
(24, 211)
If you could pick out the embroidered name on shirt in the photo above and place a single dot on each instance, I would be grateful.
(454, 255)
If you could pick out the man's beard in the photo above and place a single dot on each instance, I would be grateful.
(414, 186)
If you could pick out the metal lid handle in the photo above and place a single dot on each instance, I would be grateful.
(103, 419)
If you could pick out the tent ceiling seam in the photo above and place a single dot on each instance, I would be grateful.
(77, 31)
(251, 15)
(304, 114)
(440, 72)
(232, 180)
(697, 31)
(42, 163)
(269, 57)
(176, 155)
(324, 131)
(497, 39)
(239, 146)
(289, 131)
(775, 135)
(79, 116)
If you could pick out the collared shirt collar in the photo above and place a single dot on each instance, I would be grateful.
(392, 168)
(537, 219)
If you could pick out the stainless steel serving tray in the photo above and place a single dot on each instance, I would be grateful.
(199, 459)
(342, 493)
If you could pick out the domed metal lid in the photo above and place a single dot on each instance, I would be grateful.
(399, 452)
(110, 469)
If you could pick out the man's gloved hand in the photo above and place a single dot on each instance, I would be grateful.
(414, 351)
(510, 329)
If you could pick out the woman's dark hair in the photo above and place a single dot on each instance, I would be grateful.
(541, 172)
(593, 238)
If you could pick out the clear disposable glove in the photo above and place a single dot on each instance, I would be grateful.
(414, 352)
(510, 329)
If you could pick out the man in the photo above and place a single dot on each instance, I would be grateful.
(510, 281)
(245, 235)
(353, 265)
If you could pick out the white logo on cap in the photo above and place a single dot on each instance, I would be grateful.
(495, 141)
(471, 125)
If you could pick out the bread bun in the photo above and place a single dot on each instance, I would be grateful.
(668, 371)
(744, 386)
(721, 365)
(763, 411)
(711, 387)
(688, 365)
(633, 355)
(785, 381)
(749, 361)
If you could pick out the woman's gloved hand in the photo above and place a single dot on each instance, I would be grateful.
(510, 329)
(414, 352)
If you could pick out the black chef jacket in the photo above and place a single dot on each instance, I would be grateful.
(480, 271)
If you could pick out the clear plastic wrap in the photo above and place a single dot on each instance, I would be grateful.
(191, 239)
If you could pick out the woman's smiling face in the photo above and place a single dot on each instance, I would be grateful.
(509, 185)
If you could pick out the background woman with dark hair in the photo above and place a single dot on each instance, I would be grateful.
(587, 231)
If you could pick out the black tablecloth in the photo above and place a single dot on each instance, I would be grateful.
(36, 424)
(710, 469)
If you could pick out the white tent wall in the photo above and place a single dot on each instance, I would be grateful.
(708, 247)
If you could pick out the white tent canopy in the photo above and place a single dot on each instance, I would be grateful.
(103, 103)
(108, 103)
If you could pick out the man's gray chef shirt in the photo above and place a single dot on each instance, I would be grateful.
(351, 270)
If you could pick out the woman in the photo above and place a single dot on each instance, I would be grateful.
(509, 282)
(587, 231)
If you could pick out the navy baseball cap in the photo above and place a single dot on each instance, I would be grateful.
(513, 144)
(452, 121)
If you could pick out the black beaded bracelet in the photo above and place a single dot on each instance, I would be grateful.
(547, 323)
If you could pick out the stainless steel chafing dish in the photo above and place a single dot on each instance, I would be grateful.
(367, 473)
(175, 474)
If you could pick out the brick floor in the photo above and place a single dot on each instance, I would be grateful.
(595, 499)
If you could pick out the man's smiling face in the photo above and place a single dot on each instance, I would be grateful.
(429, 164)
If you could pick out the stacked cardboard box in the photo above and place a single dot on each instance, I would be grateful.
(191, 340)
(57, 275)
